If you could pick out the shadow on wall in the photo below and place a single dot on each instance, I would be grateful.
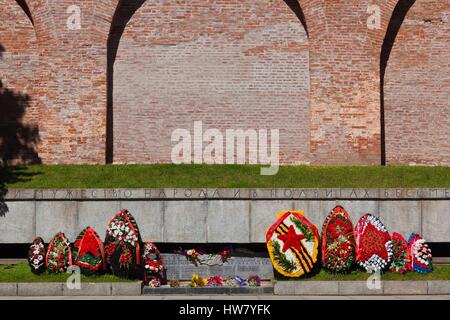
(398, 16)
(17, 140)
(295, 7)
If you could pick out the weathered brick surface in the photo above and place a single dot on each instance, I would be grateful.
(238, 64)
(232, 64)
(417, 87)
(19, 65)
(345, 81)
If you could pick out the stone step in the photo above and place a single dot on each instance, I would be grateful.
(166, 290)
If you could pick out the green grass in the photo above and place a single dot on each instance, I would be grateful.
(222, 176)
(21, 273)
(441, 272)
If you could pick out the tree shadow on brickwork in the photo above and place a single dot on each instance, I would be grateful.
(124, 12)
(18, 141)
(398, 16)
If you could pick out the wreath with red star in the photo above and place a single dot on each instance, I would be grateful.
(292, 243)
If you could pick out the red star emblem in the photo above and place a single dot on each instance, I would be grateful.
(291, 239)
(338, 227)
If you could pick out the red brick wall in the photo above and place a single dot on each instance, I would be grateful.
(231, 64)
(345, 81)
(417, 87)
(73, 69)
(19, 64)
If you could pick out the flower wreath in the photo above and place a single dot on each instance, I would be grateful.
(89, 252)
(200, 257)
(400, 254)
(122, 245)
(59, 254)
(36, 256)
(373, 244)
(293, 243)
(420, 252)
(153, 265)
(338, 241)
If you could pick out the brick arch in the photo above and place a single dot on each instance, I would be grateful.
(395, 23)
(345, 87)
(416, 87)
(72, 79)
(141, 30)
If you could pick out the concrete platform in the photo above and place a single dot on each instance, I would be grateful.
(360, 288)
(61, 289)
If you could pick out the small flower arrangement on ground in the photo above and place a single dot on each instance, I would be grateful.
(36, 256)
(254, 281)
(200, 257)
(198, 281)
(174, 283)
(215, 281)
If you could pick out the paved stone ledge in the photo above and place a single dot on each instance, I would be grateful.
(282, 288)
(222, 194)
(359, 288)
(60, 289)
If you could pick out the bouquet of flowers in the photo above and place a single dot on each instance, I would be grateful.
(373, 244)
(400, 255)
(174, 283)
(59, 254)
(240, 281)
(254, 281)
(338, 241)
(215, 281)
(421, 258)
(122, 245)
(231, 282)
(153, 265)
(89, 252)
(200, 257)
(198, 281)
(36, 256)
